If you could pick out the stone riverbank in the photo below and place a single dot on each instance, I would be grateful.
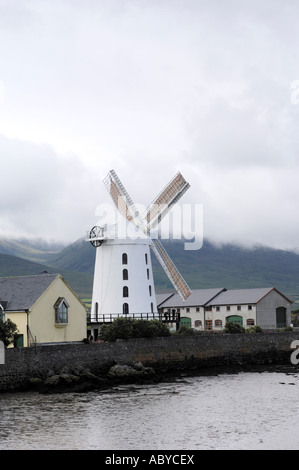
(81, 367)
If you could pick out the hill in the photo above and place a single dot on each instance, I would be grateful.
(228, 265)
(81, 283)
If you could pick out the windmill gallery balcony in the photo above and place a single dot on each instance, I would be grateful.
(166, 317)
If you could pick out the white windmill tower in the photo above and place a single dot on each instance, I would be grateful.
(123, 277)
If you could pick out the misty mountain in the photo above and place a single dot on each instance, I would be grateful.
(228, 265)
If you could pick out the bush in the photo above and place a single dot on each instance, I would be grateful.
(185, 331)
(125, 328)
(254, 329)
(233, 328)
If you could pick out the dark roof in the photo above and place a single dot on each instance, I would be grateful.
(22, 292)
(243, 296)
(196, 298)
(161, 298)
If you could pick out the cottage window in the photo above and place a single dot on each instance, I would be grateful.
(217, 309)
(218, 323)
(228, 308)
(239, 307)
(249, 307)
(250, 322)
(61, 311)
(198, 323)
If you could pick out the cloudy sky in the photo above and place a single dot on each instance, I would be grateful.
(149, 88)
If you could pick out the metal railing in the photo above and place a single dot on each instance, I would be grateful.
(165, 317)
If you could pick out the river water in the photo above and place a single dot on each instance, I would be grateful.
(248, 410)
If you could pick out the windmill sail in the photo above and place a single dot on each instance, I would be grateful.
(170, 269)
(120, 196)
(172, 192)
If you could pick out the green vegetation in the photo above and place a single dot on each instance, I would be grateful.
(233, 328)
(125, 328)
(8, 332)
(185, 331)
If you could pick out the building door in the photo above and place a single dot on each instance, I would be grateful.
(281, 317)
(185, 321)
(235, 319)
(20, 341)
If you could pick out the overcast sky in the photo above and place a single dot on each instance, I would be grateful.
(149, 88)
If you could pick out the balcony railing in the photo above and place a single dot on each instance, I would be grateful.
(109, 318)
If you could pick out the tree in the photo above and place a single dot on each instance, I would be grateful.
(8, 332)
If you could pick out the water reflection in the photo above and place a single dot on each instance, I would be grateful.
(240, 411)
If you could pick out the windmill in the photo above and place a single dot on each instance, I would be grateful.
(123, 276)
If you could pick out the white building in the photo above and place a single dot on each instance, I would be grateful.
(210, 309)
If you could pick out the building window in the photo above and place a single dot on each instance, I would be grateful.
(228, 308)
(188, 309)
(125, 309)
(250, 322)
(146, 258)
(125, 275)
(218, 323)
(61, 310)
(238, 307)
(197, 309)
(249, 307)
(124, 258)
(217, 309)
(125, 291)
(197, 323)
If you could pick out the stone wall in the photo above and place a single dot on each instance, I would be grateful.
(163, 354)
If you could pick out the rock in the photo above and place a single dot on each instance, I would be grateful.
(123, 371)
(119, 370)
(35, 381)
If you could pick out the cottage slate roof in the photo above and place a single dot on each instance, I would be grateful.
(21, 292)
(196, 298)
(243, 296)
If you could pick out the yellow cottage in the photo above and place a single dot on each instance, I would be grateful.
(44, 308)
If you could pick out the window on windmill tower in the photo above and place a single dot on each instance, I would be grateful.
(150, 290)
(145, 258)
(125, 275)
(61, 310)
(125, 291)
(124, 258)
(125, 309)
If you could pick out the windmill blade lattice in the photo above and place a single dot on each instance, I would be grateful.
(165, 200)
